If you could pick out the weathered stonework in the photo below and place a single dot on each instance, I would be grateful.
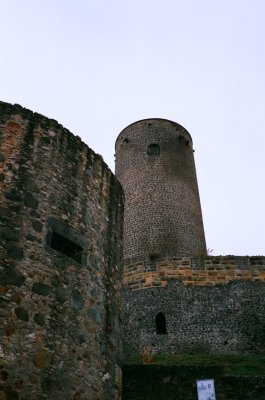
(212, 305)
(162, 215)
(175, 298)
(61, 218)
(195, 271)
(61, 213)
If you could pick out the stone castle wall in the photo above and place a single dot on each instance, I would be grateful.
(61, 213)
(162, 216)
(211, 304)
(194, 271)
(61, 217)
(175, 298)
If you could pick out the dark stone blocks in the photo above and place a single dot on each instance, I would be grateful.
(41, 288)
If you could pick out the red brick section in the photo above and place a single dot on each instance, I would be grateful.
(208, 271)
(162, 206)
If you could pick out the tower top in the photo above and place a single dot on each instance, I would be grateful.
(149, 126)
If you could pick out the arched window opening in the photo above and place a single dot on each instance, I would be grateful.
(161, 328)
(153, 150)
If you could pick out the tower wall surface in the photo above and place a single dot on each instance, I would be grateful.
(155, 165)
(61, 213)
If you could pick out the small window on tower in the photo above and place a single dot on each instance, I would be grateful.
(153, 149)
(161, 328)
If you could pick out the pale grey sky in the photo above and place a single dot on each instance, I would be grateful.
(97, 66)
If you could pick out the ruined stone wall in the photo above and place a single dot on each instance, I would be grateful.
(162, 217)
(212, 304)
(60, 229)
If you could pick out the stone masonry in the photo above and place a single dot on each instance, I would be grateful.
(210, 305)
(195, 271)
(176, 299)
(61, 227)
(162, 215)
(61, 213)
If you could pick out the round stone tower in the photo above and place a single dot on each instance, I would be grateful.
(155, 165)
(175, 300)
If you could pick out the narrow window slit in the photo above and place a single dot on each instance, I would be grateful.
(66, 247)
(161, 328)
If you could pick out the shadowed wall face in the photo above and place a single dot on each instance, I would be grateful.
(211, 308)
(155, 165)
(61, 213)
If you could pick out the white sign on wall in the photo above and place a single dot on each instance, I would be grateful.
(205, 389)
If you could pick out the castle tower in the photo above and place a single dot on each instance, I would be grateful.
(155, 165)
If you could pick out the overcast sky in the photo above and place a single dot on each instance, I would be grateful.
(97, 66)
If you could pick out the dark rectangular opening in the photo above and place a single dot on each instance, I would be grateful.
(66, 247)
